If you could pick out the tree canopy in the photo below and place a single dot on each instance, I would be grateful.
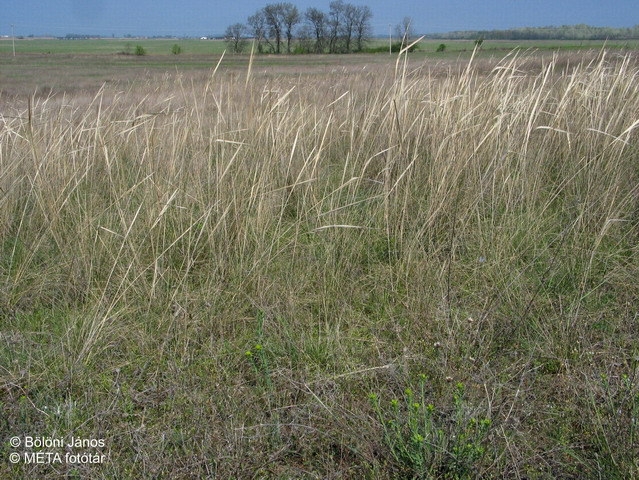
(344, 28)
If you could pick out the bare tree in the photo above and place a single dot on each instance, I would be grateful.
(258, 29)
(404, 30)
(318, 23)
(290, 18)
(348, 25)
(235, 37)
(335, 16)
(363, 26)
(273, 16)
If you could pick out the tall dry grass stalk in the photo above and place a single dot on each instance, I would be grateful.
(379, 210)
(124, 203)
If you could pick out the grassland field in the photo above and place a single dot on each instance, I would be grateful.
(214, 47)
(321, 266)
(46, 65)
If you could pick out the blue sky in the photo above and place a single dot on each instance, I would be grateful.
(204, 17)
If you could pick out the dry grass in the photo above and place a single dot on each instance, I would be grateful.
(478, 227)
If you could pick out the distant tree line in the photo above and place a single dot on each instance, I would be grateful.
(79, 36)
(280, 27)
(565, 32)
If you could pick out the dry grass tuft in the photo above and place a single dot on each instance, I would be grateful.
(479, 227)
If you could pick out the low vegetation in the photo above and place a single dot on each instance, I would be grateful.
(565, 32)
(391, 273)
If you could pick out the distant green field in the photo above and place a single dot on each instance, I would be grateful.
(112, 46)
(84, 65)
(205, 47)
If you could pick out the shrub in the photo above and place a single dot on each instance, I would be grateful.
(176, 49)
(441, 48)
(139, 50)
(427, 442)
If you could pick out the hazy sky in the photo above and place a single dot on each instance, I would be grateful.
(205, 17)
